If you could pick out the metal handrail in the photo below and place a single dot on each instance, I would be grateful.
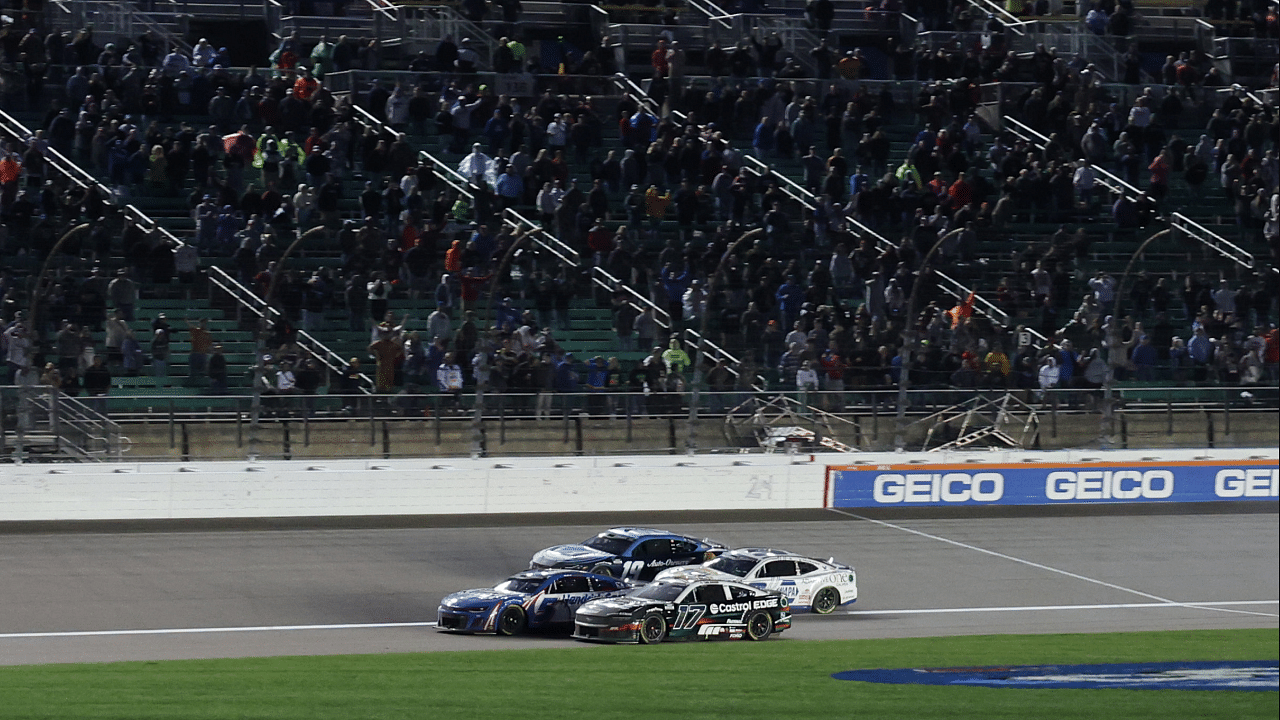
(607, 281)
(255, 304)
(952, 286)
(55, 159)
(1207, 237)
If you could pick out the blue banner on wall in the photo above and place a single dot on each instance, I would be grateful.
(1248, 675)
(1051, 484)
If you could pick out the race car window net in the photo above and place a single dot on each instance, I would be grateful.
(779, 568)
(679, 547)
(520, 585)
(654, 548)
(602, 585)
(805, 568)
(611, 544)
(573, 584)
(708, 594)
(659, 591)
(734, 566)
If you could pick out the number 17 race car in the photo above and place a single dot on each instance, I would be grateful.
(684, 610)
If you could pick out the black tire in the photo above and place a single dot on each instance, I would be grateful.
(653, 628)
(511, 621)
(759, 625)
(826, 600)
(603, 569)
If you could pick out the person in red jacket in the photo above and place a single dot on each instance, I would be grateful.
(659, 59)
(305, 86)
(471, 285)
(960, 192)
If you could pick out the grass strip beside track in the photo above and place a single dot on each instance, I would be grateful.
(775, 679)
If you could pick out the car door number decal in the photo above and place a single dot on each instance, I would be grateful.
(688, 616)
(632, 566)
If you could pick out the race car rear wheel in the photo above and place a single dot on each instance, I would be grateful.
(653, 628)
(827, 599)
(511, 621)
(759, 625)
(603, 569)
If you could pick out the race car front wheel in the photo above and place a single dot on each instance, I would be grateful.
(511, 621)
(653, 628)
(603, 569)
(759, 625)
(826, 600)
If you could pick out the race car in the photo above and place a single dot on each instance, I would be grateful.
(808, 584)
(526, 600)
(684, 610)
(630, 553)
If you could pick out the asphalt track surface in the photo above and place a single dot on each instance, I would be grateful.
(148, 593)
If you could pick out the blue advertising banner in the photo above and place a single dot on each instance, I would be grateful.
(1247, 675)
(1051, 484)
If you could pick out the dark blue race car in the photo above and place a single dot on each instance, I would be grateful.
(630, 553)
(538, 598)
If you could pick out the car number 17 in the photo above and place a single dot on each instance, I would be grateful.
(687, 616)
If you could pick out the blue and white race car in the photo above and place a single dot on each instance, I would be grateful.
(815, 585)
(630, 553)
(533, 599)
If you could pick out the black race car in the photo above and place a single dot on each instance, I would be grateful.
(682, 610)
(635, 554)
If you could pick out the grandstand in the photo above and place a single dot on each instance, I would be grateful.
(482, 213)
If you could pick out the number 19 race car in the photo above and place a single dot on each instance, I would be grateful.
(526, 600)
(809, 584)
(630, 553)
(683, 610)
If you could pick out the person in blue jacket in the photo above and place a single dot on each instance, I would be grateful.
(564, 380)
(790, 297)
(675, 286)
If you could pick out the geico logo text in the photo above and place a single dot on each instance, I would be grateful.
(1109, 485)
(1255, 482)
(938, 487)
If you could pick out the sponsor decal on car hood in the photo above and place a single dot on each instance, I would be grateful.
(478, 596)
(611, 606)
(1248, 675)
(569, 555)
(695, 572)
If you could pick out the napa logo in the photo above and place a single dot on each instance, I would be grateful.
(1243, 675)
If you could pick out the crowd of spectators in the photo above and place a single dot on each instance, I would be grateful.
(268, 155)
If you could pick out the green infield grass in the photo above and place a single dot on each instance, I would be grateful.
(775, 679)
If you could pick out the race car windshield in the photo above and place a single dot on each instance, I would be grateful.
(524, 586)
(659, 591)
(611, 544)
(733, 566)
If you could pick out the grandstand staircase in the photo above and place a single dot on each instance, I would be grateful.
(39, 424)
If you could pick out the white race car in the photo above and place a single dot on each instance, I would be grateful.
(815, 585)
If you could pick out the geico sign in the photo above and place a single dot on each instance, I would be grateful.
(1258, 482)
(1109, 485)
(938, 487)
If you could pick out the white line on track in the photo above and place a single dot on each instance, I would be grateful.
(993, 553)
(181, 631)
(374, 626)
(1050, 608)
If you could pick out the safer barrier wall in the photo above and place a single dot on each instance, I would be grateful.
(407, 487)
(1054, 482)
(337, 488)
